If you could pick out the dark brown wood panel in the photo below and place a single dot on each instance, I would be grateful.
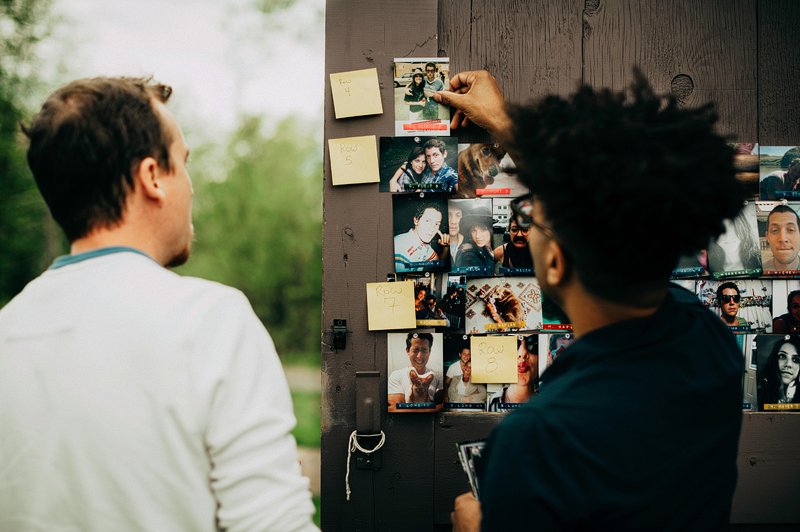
(699, 51)
(778, 73)
(769, 469)
(357, 249)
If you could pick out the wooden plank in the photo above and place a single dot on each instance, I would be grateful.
(699, 51)
(451, 480)
(357, 237)
(778, 73)
(768, 489)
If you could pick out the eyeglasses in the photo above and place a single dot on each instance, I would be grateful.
(728, 299)
(522, 211)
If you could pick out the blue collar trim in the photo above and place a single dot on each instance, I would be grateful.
(66, 260)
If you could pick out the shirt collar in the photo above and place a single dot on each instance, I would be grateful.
(66, 260)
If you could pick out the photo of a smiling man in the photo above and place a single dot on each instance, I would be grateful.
(782, 233)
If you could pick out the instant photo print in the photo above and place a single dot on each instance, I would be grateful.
(428, 289)
(416, 80)
(778, 373)
(418, 164)
(692, 266)
(511, 395)
(483, 171)
(453, 302)
(420, 225)
(470, 229)
(736, 253)
(779, 226)
(551, 346)
(786, 307)
(747, 343)
(779, 171)
(461, 394)
(511, 251)
(498, 305)
(553, 318)
(414, 370)
(743, 305)
(470, 455)
(745, 161)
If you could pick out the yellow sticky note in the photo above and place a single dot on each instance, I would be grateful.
(354, 160)
(494, 359)
(391, 306)
(356, 93)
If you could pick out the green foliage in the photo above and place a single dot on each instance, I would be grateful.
(259, 229)
(27, 238)
(307, 412)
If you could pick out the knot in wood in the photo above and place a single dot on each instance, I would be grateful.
(682, 87)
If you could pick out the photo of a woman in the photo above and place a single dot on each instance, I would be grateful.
(409, 176)
(737, 249)
(527, 384)
(779, 376)
(415, 95)
(475, 256)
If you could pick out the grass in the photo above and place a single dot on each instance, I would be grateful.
(306, 409)
(316, 513)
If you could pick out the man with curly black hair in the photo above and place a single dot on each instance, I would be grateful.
(620, 435)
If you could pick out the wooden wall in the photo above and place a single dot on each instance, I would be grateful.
(741, 53)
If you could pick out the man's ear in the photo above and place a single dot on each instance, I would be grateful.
(556, 267)
(147, 176)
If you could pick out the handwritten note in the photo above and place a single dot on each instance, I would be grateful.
(494, 359)
(391, 306)
(354, 160)
(356, 93)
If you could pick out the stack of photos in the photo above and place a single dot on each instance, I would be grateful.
(469, 454)
(457, 238)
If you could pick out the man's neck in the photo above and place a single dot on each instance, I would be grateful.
(117, 236)
(793, 265)
(588, 312)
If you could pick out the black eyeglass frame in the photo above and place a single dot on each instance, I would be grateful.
(726, 298)
(521, 210)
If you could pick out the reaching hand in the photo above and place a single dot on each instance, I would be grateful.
(476, 98)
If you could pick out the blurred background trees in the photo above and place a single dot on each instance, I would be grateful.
(258, 186)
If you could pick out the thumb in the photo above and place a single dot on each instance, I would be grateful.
(447, 98)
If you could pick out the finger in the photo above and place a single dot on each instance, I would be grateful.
(465, 121)
(456, 120)
(463, 79)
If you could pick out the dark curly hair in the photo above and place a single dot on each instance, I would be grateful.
(628, 183)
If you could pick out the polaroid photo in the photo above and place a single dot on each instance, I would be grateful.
(779, 226)
(461, 394)
(418, 164)
(688, 284)
(414, 372)
(512, 395)
(470, 231)
(786, 307)
(511, 252)
(498, 305)
(428, 288)
(745, 162)
(778, 372)
(470, 457)
(747, 343)
(692, 266)
(453, 301)
(779, 170)
(483, 170)
(553, 318)
(552, 345)
(420, 226)
(416, 80)
(744, 305)
(736, 252)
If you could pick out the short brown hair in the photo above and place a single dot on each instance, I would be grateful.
(85, 143)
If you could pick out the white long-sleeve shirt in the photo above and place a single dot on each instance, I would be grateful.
(132, 398)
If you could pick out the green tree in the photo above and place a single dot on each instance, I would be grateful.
(28, 239)
(259, 229)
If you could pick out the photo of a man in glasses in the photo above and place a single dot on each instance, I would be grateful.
(636, 336)
(729, 300)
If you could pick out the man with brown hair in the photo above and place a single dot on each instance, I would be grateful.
(132, 397)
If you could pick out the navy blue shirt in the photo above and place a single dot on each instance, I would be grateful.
(636, 427)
